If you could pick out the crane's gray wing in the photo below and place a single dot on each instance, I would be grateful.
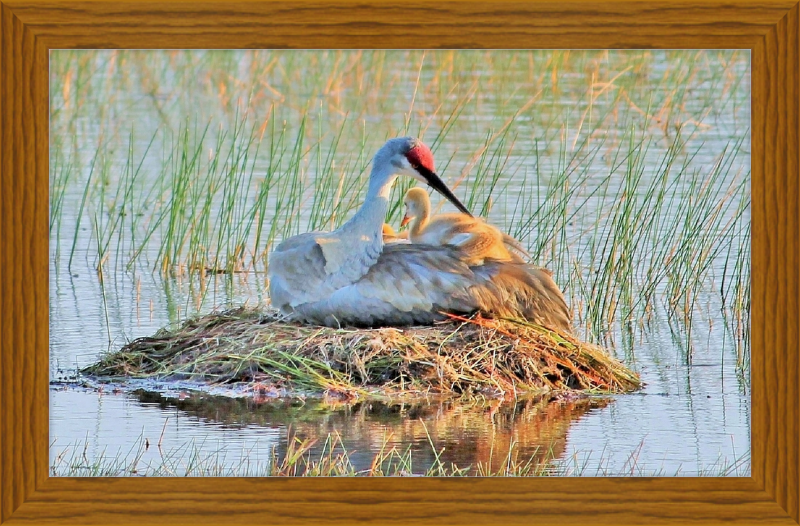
(415, 284)
(295, 266)
(311, 267)
(409, 284)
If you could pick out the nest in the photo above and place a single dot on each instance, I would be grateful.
(461, 356)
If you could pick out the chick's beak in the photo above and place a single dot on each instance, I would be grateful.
(406, 220)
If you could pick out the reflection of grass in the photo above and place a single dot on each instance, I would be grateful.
(299, 459)
(616, 170)
(472, 357)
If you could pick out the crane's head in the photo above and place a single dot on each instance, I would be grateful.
(410, 156)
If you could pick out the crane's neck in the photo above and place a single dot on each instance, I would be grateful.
(367, 224)
(351, 250)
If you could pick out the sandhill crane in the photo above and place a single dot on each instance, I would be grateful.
(476, 238)
(349, 277)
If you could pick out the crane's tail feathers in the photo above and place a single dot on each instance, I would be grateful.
(516, 290)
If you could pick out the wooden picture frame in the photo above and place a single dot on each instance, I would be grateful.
(30, 28)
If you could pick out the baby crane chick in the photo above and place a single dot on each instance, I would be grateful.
(477, 239)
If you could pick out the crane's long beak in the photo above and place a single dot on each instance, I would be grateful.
(437, 184)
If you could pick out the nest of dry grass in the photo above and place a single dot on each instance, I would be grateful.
(461, 356)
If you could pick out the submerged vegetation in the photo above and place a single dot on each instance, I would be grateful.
(469, 357)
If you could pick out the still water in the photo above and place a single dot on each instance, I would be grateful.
(692, 415)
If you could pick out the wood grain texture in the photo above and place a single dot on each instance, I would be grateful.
(407, 24)
(23, 260)
(30, 29)
(775, 231)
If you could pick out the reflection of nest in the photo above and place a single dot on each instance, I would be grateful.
(476, 432)
(463, 356)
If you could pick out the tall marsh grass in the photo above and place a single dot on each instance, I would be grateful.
(626, 173)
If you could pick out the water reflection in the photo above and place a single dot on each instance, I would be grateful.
(481, 432)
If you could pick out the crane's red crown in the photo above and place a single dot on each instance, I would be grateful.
(421, 156)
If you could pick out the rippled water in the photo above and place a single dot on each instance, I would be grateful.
(693, 414)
